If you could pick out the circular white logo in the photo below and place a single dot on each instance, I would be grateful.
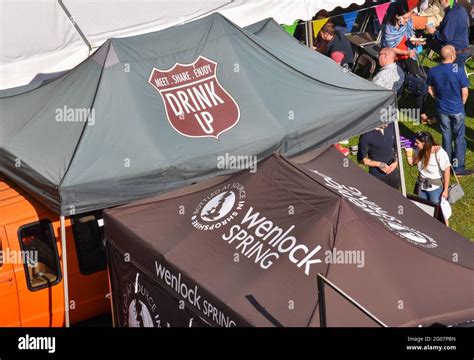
(139, 307)
(411, 235)
(139, 315)
(219, 208)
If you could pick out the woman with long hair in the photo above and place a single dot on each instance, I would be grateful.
(397, 32)
(434, 168)
(319, 44)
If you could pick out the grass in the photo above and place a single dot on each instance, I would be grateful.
(462, 220)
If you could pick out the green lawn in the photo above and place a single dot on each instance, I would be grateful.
(462, 219)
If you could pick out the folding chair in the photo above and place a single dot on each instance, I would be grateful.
(365, 66)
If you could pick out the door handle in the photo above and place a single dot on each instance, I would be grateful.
(6, 279)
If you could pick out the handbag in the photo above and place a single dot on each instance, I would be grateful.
(415, 84)
(455, 191)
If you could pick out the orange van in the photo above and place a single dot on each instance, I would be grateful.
(31, 281)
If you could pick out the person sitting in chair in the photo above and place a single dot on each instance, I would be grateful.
(396, 35)
(390, 75)
(338, 48)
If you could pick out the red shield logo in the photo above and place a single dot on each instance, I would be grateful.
(196, 104)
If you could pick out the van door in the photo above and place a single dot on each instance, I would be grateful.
(40, 291)
(9, 309)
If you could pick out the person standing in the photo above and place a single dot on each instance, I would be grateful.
(453, 30)
(377, 150)
(432, 13)
(448, 85)
(434, 168)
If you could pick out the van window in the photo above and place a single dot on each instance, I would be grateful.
(88, 233)
(38, 242)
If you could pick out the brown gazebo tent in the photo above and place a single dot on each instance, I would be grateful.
(245, 250)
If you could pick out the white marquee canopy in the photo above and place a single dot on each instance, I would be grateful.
(38, 38)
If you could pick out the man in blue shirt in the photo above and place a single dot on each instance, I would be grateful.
(453, 30)
(448, 85)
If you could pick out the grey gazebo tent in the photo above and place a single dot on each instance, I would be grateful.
(152, 113)
(298, 56)
(245, 250)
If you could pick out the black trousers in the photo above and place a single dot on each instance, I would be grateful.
(392, 179)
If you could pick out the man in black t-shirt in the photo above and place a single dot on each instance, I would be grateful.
(377, 150)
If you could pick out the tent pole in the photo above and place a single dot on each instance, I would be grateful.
(111, 298)
(400, 159)
(322, 280)
(65, 277)
(76, 26)
(309, 34)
